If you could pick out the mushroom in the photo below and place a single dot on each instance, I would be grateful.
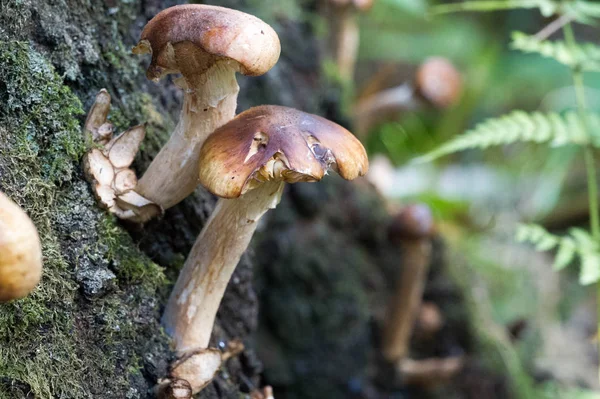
(247, 162)
(265, 393)
(200, 366)
(412, 229)
(174, 389)
(430, 372)
(207, 45)
(107, 167)
(345, 39)
(429, 320)
(437, 84)
(20, 252)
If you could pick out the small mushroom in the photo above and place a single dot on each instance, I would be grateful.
(265, 393)
(174, 389)
(437, 84)
(107, 168)
(412, 230)
(247, 162)
(429, 320)
(20, 252)
(207, 45)
(345, 37)
(430, 372)
(199, 367)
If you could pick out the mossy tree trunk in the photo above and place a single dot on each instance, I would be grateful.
(91, 329)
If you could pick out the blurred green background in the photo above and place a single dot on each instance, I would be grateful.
(479, 196)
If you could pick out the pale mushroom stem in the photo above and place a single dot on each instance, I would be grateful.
(190, 313)
(209, 102)
(347, 42)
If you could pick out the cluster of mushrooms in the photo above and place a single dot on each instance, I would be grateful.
(245, 160)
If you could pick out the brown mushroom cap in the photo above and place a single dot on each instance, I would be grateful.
(20, 252)
(277, 143)
(178, 34)
(439, 82)
(413, 222)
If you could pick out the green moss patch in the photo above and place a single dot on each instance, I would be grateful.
(59, 342)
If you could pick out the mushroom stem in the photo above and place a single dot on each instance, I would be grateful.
(209, 102)
(373, 108)
(347, 42)
(430, 372)
(192, 307)
(412, 228)
(404, 307)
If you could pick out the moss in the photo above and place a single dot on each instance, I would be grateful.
(47, 128)
(55, 343)
(119, 58)
(130, 264)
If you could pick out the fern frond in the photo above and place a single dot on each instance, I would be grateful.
(519, 126)
(580, 10)
(490, 5)
(578, 244)
(585, 56)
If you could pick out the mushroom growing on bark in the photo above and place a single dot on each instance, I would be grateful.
(20, 252)
(436, 84)
(207, 45)
(107, 167)
(247, 162)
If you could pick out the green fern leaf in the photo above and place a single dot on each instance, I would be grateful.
(519, 126)
(580, 243)
(585, 242)
(580, 10)
(585, 56)
(537, 235)
(565, 255)
(590, 269)
(545, 6)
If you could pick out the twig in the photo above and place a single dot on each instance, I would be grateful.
(554, 26)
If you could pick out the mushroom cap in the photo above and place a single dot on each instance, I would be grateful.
(20, 252)
(217, 31)
(412, 222)
(272, 142)
(439, 82)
